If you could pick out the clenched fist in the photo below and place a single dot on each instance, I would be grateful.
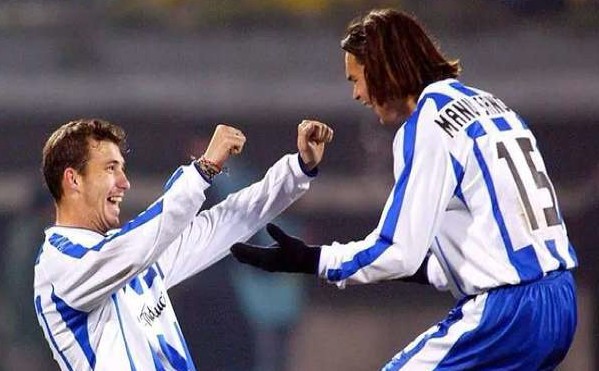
(225, 141)
(311, 139)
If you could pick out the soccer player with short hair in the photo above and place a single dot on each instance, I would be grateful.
(101, 287)
(472, 210)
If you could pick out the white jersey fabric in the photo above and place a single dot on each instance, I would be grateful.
(102, 299)
(471, 185)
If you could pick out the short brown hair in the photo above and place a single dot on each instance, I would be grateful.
(398, 56)
(68, 147)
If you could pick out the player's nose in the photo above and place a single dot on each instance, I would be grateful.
(123, 182)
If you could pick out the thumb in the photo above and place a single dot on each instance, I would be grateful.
(246, 253)
(239, 251)
(278, 234)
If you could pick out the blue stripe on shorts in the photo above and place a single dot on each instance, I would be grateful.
(523, 327)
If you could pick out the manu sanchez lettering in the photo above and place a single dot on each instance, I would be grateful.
(460, 113)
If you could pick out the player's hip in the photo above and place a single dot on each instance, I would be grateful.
(529, 326)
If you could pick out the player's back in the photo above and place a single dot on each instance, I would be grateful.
(503, 224)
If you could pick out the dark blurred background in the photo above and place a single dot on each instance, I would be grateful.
(169, 70)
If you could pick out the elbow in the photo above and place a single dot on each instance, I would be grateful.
(407, 267)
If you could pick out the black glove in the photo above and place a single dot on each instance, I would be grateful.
(290, 254)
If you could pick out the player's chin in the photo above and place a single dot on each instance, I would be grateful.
(382, 115)
(386, 120)
(390, 118)
(112, 221)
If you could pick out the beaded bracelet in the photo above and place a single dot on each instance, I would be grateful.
(209, 168)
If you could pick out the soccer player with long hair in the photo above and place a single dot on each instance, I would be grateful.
(472, 210)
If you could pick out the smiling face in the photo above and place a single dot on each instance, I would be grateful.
(100, 187)
(389, 113)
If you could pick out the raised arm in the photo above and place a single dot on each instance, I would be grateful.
(243, 213)
(92, 268)
(396, 249)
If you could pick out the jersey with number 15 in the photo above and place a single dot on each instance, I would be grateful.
(471, 186)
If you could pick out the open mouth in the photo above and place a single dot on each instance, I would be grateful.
(115, 200)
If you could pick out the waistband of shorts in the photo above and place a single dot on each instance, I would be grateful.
(548, 277)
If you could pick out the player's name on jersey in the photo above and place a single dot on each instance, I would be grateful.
(460, 113)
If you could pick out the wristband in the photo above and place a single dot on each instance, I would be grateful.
(207, 168)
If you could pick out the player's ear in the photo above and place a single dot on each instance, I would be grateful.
(71, 179)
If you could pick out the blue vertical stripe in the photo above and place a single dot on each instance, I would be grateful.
(190, 365)
(118, 313)
(39, 254)
(573, 254)
(149, 277)
(524, 126)
(458, 170)
(453, 277)
(475, 130)
(524, 260)
(453, 317)
(174, 358)
(157, 362)
(553, 250)
(370, 254)
(159, 271)
(135, 284)
(40, 312)
(388, 230)
(176, 175)
(76, 321)
(367, 256)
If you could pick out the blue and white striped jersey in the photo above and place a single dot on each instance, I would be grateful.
(102, 299)
(471, 185)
